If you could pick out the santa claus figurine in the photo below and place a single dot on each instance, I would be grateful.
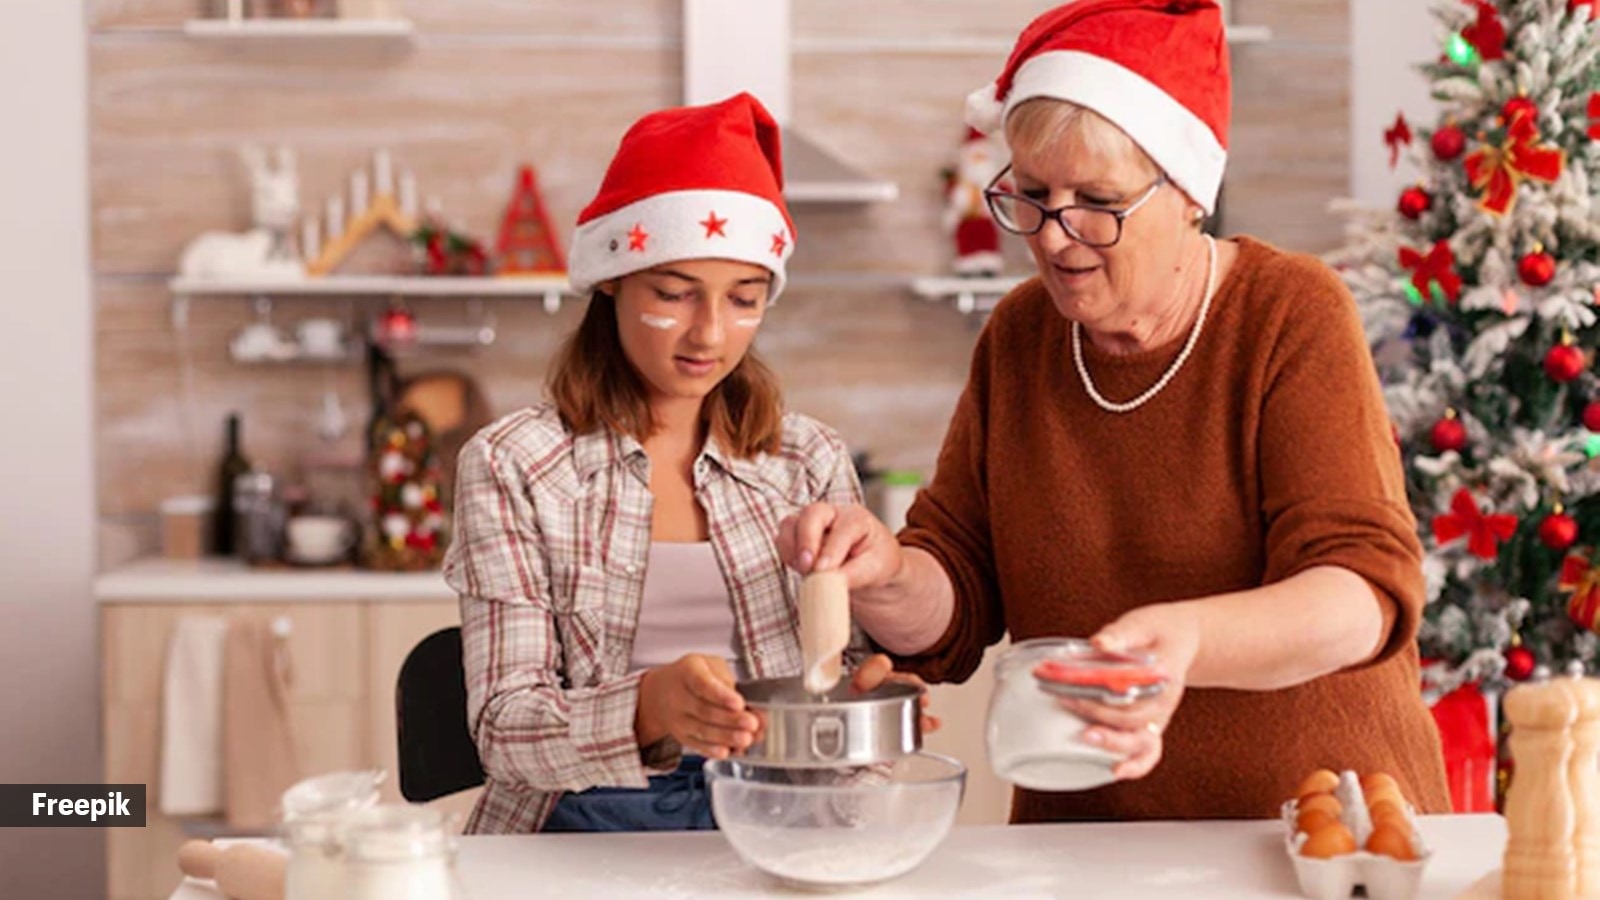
(966, 216)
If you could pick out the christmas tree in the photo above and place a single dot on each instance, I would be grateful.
(1479, 297)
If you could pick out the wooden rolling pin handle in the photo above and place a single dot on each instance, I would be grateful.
(242, 871)
(198, 859)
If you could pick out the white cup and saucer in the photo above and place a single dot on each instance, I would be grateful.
(321, 338)
(319, 540)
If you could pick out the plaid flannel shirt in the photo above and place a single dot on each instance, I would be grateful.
(552, 533)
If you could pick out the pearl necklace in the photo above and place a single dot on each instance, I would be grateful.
(1172, 370)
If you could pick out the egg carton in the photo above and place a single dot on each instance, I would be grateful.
(1336, 878)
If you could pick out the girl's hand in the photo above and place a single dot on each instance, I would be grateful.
(694, 702)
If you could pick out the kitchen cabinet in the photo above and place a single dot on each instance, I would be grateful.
(345, 650)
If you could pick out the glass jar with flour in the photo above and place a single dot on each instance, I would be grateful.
(1035, 742)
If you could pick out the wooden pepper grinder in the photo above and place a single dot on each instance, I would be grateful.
(1583, 778)
(1539, 859)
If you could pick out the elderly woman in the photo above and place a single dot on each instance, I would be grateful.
(1170, 443)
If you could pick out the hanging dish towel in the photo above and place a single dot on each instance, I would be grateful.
(191, 717)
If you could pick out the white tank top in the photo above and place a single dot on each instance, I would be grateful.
(685, 607)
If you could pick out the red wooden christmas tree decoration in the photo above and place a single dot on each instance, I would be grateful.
(527, 242)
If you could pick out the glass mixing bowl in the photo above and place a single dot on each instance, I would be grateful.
(840, 828)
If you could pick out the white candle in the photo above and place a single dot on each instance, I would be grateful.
(383, 170)
(360, 192)
(335, 218)
(408, 195)
(310, 239)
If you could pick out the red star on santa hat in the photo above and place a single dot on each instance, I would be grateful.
(637, 238)
(779, 244)
(713, 225)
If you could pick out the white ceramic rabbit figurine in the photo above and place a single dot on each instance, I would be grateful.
(264, 252)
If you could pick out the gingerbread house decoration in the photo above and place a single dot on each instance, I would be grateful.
(377, 203)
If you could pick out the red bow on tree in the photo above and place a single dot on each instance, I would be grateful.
(1484, 532)
(1582, 580)
(1498, 170)
(1594, 110)
(1397, 135)
(1488, 34)
(1438, 266)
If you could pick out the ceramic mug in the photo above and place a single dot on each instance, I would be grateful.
(319, 539)
(320, 337)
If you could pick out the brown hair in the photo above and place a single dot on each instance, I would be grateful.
(594, 386)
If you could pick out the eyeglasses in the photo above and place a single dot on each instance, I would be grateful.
(1092, 226)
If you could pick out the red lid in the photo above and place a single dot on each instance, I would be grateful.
(1108, 677)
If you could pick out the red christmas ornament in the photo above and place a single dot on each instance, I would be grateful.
(1558, 531)
(397, 326)
(1594, 7)
(1518, 104)
(1448, 143)
(1414, 201)
(1563, 363)
(1519, 663)
(1581, 579)
(1449, 434)
(1591, 416)
(1537, 268)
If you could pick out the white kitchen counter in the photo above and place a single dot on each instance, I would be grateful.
(1125, 861)
(218, 580)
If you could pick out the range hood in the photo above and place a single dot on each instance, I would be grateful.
(744, 45)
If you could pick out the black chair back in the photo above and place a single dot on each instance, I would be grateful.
(437, 755)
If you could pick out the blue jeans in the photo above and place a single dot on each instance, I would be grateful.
(677, 801)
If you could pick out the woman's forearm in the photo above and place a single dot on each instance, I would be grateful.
(1319, 621)
(909, 613)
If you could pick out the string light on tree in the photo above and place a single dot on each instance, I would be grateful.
(1461, 52)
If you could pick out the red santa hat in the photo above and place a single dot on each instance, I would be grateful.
(695, 182)
(1158, 69)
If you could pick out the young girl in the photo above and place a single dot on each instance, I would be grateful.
(615, 550)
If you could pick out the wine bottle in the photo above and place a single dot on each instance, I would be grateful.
(233, 465)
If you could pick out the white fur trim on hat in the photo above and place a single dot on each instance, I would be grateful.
(985, 112)
(1179, 141)
(673, 227)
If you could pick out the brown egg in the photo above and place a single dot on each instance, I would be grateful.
(1315, 820)
(1388, 840)
(1326, 843)
(1371, 781)
(1322, 781)
(1387, 810)
(1325, 802)
(1385, 794)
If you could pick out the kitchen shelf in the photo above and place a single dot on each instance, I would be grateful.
(549, 288)
(281, 29)
(971, 295)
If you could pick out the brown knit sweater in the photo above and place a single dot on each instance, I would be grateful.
(1268, 454)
